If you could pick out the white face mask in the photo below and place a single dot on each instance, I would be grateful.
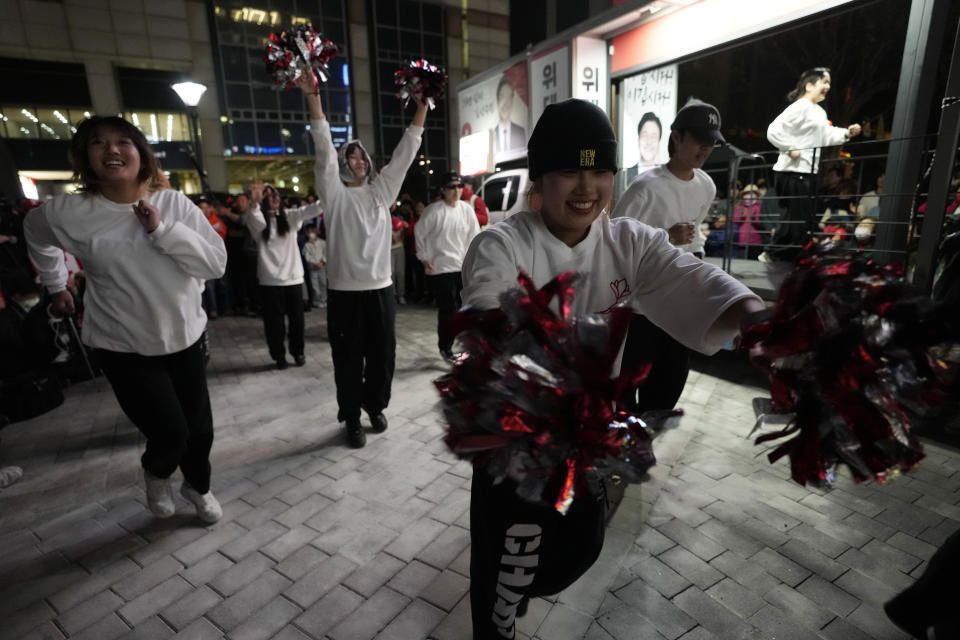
(862, 233)
(312, 236)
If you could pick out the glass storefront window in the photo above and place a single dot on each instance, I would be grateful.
(46, 123)
(161, 127)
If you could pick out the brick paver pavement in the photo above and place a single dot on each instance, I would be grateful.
(322, 541)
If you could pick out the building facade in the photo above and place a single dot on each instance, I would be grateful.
(64, 60)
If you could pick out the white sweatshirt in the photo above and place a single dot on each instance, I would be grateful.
(357, 219)
(622, 261)
(278, 259)
(660, 199)
(803, 126)
(143, 290)
(443, 234)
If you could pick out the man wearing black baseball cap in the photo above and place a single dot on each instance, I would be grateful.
(675, 197)
(443, 235)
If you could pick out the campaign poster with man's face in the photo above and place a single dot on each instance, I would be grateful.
(649, 105)
(500, 105)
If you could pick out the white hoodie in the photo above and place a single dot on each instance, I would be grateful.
(358, 219)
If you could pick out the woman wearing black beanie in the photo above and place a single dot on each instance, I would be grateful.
(521, 549)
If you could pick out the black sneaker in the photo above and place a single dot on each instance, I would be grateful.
(356, 438)
(299, 360)
(378, 423)
(281, 363)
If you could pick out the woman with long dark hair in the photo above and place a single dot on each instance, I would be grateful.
(146, 251)
(798, 133)
(279, 269)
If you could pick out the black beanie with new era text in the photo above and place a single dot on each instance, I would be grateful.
(573, 134)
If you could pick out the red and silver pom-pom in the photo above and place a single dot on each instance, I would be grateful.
(291, 53)
(857, 359)
(531, 397)
(420, 80)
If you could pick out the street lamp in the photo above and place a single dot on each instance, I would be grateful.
(190, 94)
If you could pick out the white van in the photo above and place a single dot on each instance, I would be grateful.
(504, 192)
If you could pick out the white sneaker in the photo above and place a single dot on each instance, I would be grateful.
(208, 509)
(159, 495)
(10, 475)
(764, 257)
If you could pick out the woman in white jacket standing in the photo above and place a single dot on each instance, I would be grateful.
(798, 133)
(147, 251)
(361, 303)
(279, 269)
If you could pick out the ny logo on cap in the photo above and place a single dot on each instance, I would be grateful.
(588, 157)
(714, 120)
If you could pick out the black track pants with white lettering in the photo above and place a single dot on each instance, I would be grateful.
(522, 550)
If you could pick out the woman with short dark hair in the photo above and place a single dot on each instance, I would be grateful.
(147, 251)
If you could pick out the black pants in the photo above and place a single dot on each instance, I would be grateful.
(670, 360)
(521, 550)
(446, 287)
(277, 302)
(166, 398)
(237, 274)
(364, 347)
(796, 222)
(311, 294)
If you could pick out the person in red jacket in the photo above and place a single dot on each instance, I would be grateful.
(475, 201)
(215, 291)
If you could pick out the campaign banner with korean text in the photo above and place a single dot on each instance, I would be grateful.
(500, 104)
(649, 105)
(590, 71)
(549, 79)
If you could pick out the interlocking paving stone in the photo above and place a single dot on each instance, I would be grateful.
(147, 578)
(712, 615)
(190, 607)
(446, 590)
(328, 611)
(691, 567)
(371, 616)
(151, 602)
(665, 615)
(152, 628)
(89, 611)
(107, 628)
(691, 539)
(416, 621)
(266, 622)
(871, 619)
(828, 595)
(326, 530)
(319, 580)
(659, 576)
(735, 597)
(208, 543)
(747, 574)
(809, 558)
(241, 574)
(809, 612)
(781, 567)
(413, 578)
(238, 607)
(729, 539)
(775, 622)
